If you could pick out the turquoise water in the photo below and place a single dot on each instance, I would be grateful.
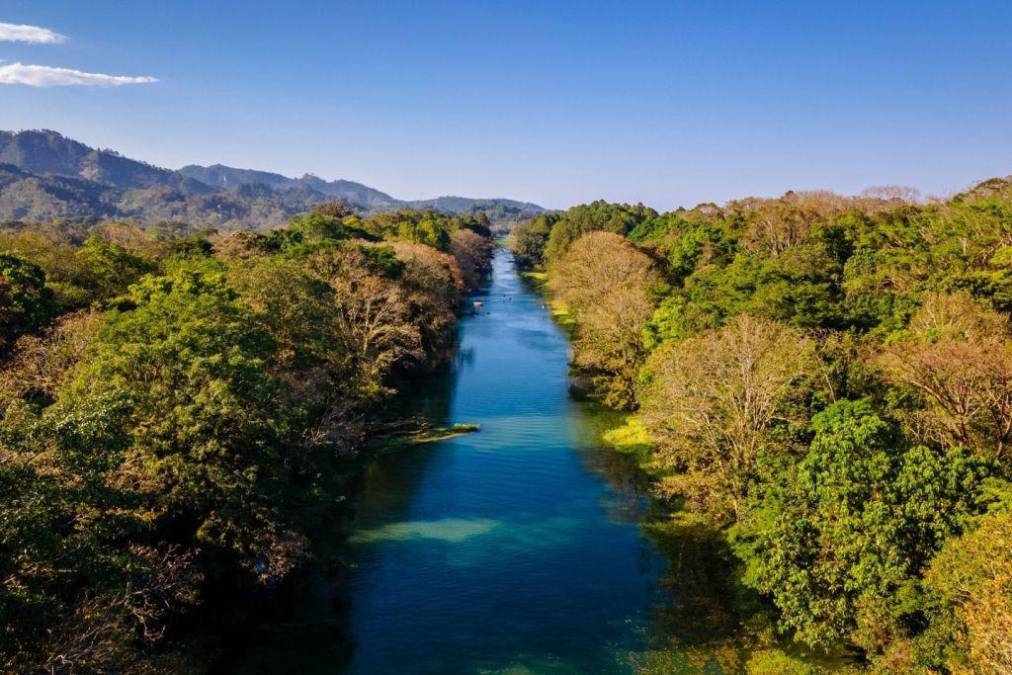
(515, 549)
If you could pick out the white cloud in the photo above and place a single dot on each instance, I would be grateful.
(47, 76)
(12, 32)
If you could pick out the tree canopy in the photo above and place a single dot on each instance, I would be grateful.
(176, 412)
(826, 380)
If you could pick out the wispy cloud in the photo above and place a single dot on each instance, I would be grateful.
(47, 76)
(12, 32)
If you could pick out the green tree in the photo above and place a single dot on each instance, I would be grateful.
(107, 269)
(25, 302)
(201, 422)
(530, 238)
(840, 542)
(617, 219)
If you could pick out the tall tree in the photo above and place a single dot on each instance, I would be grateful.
(956, 356)
(608, 285)
(712, 403)
(25, 302)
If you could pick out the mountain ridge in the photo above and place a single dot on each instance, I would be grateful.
(45, 175)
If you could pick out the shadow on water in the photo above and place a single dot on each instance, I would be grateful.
(697, 621)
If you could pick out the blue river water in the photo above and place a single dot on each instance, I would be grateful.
(510, 549)
(516, 549)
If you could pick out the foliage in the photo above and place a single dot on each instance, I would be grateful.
(25, 302)
(956, 357)
(598, 216)
(184, 428)
(972, 579)
(606, 284)
(473, 253)
(198, 419)
(529, 240)
(829, 378)
(840, 541)
(714, 404)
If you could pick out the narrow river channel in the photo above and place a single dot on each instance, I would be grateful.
(516, 549)
(508, 549)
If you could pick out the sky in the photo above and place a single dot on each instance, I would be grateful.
(557, 102)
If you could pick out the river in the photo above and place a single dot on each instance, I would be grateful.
(516, 549)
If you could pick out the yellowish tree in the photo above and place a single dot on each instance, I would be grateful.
(973, 576)
(957, 356)
(712, 400)
(604, 282)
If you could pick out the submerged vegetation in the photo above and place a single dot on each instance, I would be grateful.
(177, 412)
(824, 384)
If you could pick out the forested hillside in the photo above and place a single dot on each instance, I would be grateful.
(825, 382)
(180, 414)
(44, 175)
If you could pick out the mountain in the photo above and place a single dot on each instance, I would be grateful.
(362, 196)
(44, 175)
(468, 205)
(25, 196)
(48, 152)
(227, 177)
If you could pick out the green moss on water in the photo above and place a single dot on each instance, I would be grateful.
(403, 441)
(632, 438)
(779, 662)
(560, 312)
(626, 433)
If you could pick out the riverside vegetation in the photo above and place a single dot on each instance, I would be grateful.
(178, 414)
(821, 388)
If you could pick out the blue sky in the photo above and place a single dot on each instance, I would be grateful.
(558, 102)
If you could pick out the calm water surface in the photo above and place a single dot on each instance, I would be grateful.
(514, 549)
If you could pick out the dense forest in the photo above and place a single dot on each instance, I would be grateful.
(825, 383)
(822, 385)
(179, 412)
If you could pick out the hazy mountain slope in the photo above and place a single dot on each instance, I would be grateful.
(354, 193)
(227, 177)
(463, 204)
(46, 175)
(49, 153)
(25, 196)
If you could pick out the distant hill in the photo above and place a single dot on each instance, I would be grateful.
(47, 152)
(44, 175)
(227, 177)
(26, 196)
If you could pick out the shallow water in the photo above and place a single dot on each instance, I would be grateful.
(514, 549)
